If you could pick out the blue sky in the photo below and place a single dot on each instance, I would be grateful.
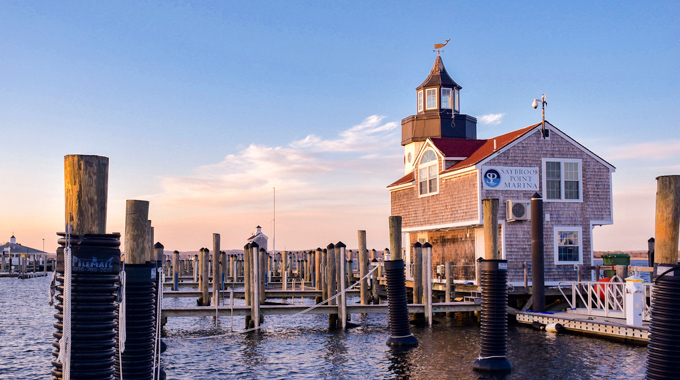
(204, 107)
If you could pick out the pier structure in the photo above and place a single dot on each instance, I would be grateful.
(17, 260)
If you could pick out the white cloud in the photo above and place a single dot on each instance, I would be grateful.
(350, 171)
(492, 118)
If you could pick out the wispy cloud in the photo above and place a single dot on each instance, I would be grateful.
(352, 169)
(492, 118)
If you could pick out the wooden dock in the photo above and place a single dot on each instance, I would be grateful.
(275, 293)
(609, 327)
(211, 311)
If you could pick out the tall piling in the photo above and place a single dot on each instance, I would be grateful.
(332, 283)
(85, 306)
(205, 275)
(217, 276)
(363, 267)
(255, 284)
(397, 314)
(427, 281)
(537, 254)
(663, 348)
(175, 270)
(490, 210)
(342, 299)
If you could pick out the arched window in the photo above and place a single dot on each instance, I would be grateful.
(428, 172)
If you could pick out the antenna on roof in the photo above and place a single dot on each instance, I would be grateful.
(544, 103)
(438, 47)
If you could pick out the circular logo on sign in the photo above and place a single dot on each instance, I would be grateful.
(492, 178)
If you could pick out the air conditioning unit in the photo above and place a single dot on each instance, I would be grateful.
(517, 210)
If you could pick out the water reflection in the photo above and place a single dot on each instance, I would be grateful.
(400, 362)
(335, 354)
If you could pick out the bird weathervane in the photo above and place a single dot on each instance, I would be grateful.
(438, 47)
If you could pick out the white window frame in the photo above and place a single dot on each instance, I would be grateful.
(556, 241)
(427, 166)
(427, 103)
(421, 100)
(562, 192)
(456, 101)
(441, 97)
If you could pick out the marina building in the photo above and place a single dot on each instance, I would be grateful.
(449, 171)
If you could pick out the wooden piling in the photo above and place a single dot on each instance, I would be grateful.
(262, 259)
(136, 216)
(175, 270)
(490, 210)
(427, 281)
(205, 275)
(217, 276)
(255, 284)
(374, 283)
(363, 267)
(247, 263)
(667, 219)
(148, 255)
(417, 271)
(284, 269)
(450, 290)
(86, 190)
(196, 268)
(317, 267)
(323, 274)
(395, 238)
(332, 283)
(342, 284)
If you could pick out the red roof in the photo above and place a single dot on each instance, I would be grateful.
(403, 180)
(474, 150)
(486, 148)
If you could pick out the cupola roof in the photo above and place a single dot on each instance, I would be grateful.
(438, 77)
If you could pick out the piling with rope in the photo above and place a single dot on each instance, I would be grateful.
(494, 318)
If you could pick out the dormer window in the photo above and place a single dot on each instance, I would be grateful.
(428, 173)
(446, 99)
(431, 95)
(420, 101)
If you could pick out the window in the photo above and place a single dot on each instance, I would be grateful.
(431, 94)
(420, 101)
(428, 173)
(457, 100)
(562, 179)
(568, 243)
(446, 98)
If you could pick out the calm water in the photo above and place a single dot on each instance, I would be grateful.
(304, 348)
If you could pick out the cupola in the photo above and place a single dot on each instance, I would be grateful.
(438, 110)
(438, 92)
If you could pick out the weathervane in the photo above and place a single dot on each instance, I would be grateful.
(438, 47)
(544, 103)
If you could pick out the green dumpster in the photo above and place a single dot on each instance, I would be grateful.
(614, 259)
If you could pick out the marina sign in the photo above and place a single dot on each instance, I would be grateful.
(509, 178)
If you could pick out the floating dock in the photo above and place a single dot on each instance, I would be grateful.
(609, 327)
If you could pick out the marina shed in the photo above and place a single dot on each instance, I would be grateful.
(448, 171)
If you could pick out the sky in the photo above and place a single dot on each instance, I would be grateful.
(203, 108)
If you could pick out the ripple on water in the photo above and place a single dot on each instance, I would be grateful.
(303, 348)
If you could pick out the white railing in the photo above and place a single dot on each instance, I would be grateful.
(602, 298)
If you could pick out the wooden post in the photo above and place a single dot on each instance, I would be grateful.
(363, 267)
(136, 214)
(427, 281)
(86, 181)
(667, 219)
(324, 274)
(247, 263)
(650, 252)
(332, 282)
(262, 259)
(537, 254)
(417, 266)
(232, 265)
(317, 267)
(526, 276)
(175, 270)
(217, 277)
(196, 269)
(148, 256)
(374, 283)
(395, 238)
(205, 283)
(284, 269)
(342, 304)
(490, 209)
(448, 272)
(255, 284)
(578, 273)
